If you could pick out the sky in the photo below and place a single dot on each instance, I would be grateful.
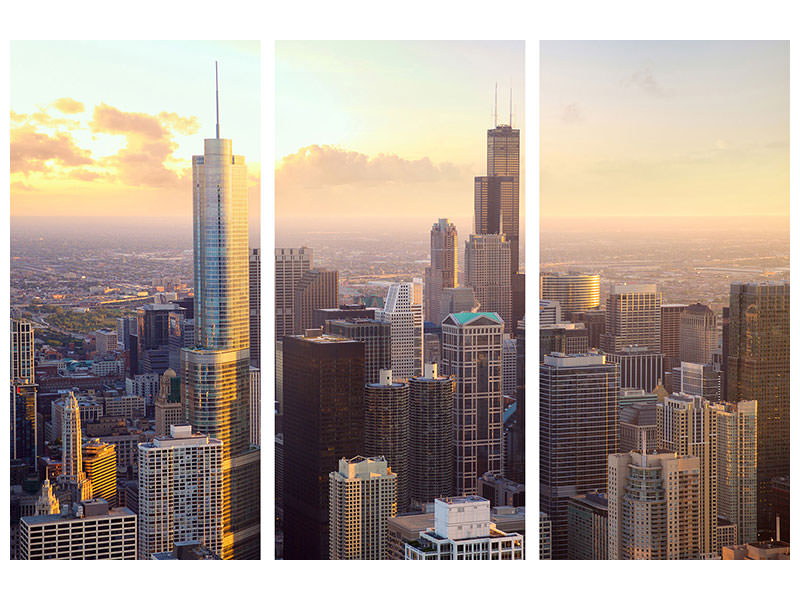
(104, 129)
(650, 129)
(388, 133)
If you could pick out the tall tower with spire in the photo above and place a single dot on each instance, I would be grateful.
(215, 373)
(72, 481)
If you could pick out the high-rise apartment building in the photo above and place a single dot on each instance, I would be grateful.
(386, 429)
(573, 291)
(215, 373)
(291, 264)
(698, 334)
(638, 423)
(697, 380)
(255, 306)
(463, 530)
(255, 406)
(376, 336)
(100, 466)
(594, 321)
(653, 507)
(403, 311)
(633, 318)
(472, 347)
(687, 425)
(549, 312)
(126, 326)
(509, 366)
(323, 420)
(92, 532)
(758, 370)
(566, 338)
(105, 341)
(316, 289)
(577, 432)
(487, 270)
(737, 482)
(443, 271)
(432, 443)
(363, 496)
(180, 491)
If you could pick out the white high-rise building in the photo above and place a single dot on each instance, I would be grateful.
(363, 496)
(472, 347)
(180, 491)
(290, 266)
(72, 476)
(463, 530)
(443, 271)
(737, 482)
(403, 311)
(653, 506)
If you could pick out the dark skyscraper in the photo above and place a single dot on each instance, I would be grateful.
(255, 307)
(386, 429)
(577, 432)
(376, 336)
(323, 420)
(432, 449)
(758, 369)
(316, 289)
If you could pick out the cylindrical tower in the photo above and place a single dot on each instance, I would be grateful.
(431, 425)
(386, 430)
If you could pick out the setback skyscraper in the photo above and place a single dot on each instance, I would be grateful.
(443, 271)
(487, 270)
(215, 372)
(403, 311)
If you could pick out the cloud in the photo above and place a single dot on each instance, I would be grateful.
(317, 166)
(68, 106)
(31, 151)
(571, 113)
(21, 186)
(645, 81)
(149, 144)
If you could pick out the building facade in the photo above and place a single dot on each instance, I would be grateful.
(291, 264)
(487, 270)
(443, 271)
(403, 311)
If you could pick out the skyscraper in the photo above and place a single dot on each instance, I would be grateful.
(573, 291)
(472, 347)
(633, 317)
(737, 483)
(323, 420)
(758, 370)
(363, 493)
(404, 313)
(578, 430)
(687, 425)
(653, 507)
(290, 266)
(215, 372)
(698, 334)
(444, 267)
(671, 338)
(487, 270)
(376, 336)
(72, 478)
(639, 368)
(255, 306)
(180, 491)
(316, 289)
(497, 194)
(22, 351)
(431, 427)
(100, 465)
(386, 432)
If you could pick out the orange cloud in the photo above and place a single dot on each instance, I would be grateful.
(68, 106)
(31, 151)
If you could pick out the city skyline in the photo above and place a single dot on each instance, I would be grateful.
(401, 124)
(91, 139)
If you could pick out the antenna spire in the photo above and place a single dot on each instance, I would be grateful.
(495, 104)
(216, 77)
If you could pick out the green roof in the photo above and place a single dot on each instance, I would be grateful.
(466, 317)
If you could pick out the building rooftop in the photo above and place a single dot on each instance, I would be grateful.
(465, 318)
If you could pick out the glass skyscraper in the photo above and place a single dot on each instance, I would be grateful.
(215, 372)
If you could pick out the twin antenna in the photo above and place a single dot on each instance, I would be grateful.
(510, 96)
(216, 77)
